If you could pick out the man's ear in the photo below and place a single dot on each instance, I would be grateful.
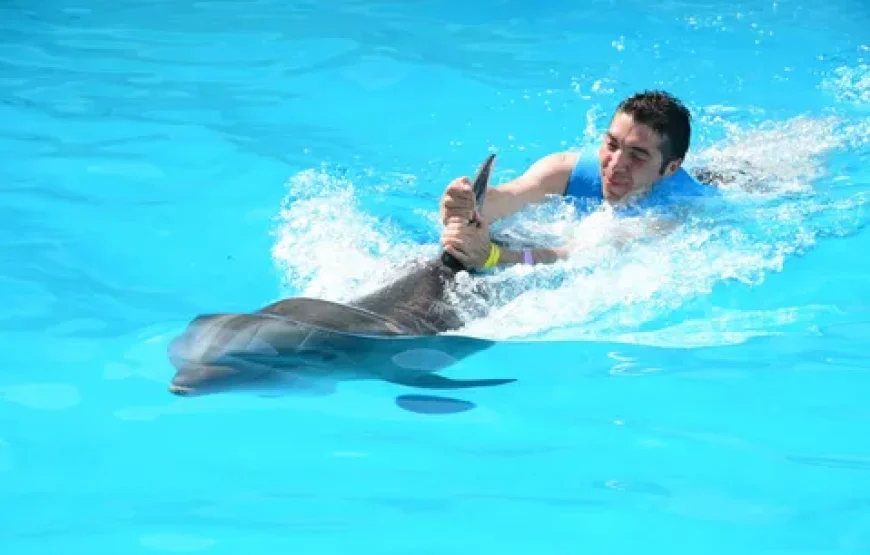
(672, 167)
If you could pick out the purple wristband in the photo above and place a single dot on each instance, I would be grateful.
(527, 256)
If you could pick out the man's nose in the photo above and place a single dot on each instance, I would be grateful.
(618, 160)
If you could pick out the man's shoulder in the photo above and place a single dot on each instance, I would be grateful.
(684, 183)
(557, 162)
(677, 193)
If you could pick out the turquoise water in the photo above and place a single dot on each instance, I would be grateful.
(703, 393)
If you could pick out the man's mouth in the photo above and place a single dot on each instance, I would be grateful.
(617, 183)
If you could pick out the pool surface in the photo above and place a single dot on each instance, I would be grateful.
(705, 392)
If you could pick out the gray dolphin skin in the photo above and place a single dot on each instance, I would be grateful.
(394, 334)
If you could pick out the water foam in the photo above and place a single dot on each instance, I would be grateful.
(609, 289)
(849, 83)
(327, 247)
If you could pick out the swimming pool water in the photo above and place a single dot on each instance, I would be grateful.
(703, 393)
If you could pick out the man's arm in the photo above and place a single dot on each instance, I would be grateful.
(633, 229)
(547, 176)
(539, 255)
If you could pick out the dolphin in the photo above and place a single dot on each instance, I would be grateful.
(395, 333)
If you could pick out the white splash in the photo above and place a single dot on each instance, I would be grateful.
(328, 248)
(611, 286)
(850, 84)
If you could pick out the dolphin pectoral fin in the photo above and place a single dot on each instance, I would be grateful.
(436, 381)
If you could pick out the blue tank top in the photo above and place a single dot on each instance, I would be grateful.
(584, 188)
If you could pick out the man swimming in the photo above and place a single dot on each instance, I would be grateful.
(639, 164)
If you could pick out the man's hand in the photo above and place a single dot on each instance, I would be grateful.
(457, 201)
(469, 243)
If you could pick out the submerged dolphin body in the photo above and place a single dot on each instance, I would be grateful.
(392, 334)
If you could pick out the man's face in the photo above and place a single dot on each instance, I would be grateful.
(630, 158)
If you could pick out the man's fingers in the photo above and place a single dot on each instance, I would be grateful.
(451, 237)
(460, 183)
(455, 242)
(460, 188)
(455, 198)
(455, 226)
(458, 193)
(457, 254)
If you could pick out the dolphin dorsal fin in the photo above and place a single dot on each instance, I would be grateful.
(478, 186)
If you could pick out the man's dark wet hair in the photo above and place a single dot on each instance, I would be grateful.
(667, 116)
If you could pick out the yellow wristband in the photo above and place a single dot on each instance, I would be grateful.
(494, 255)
